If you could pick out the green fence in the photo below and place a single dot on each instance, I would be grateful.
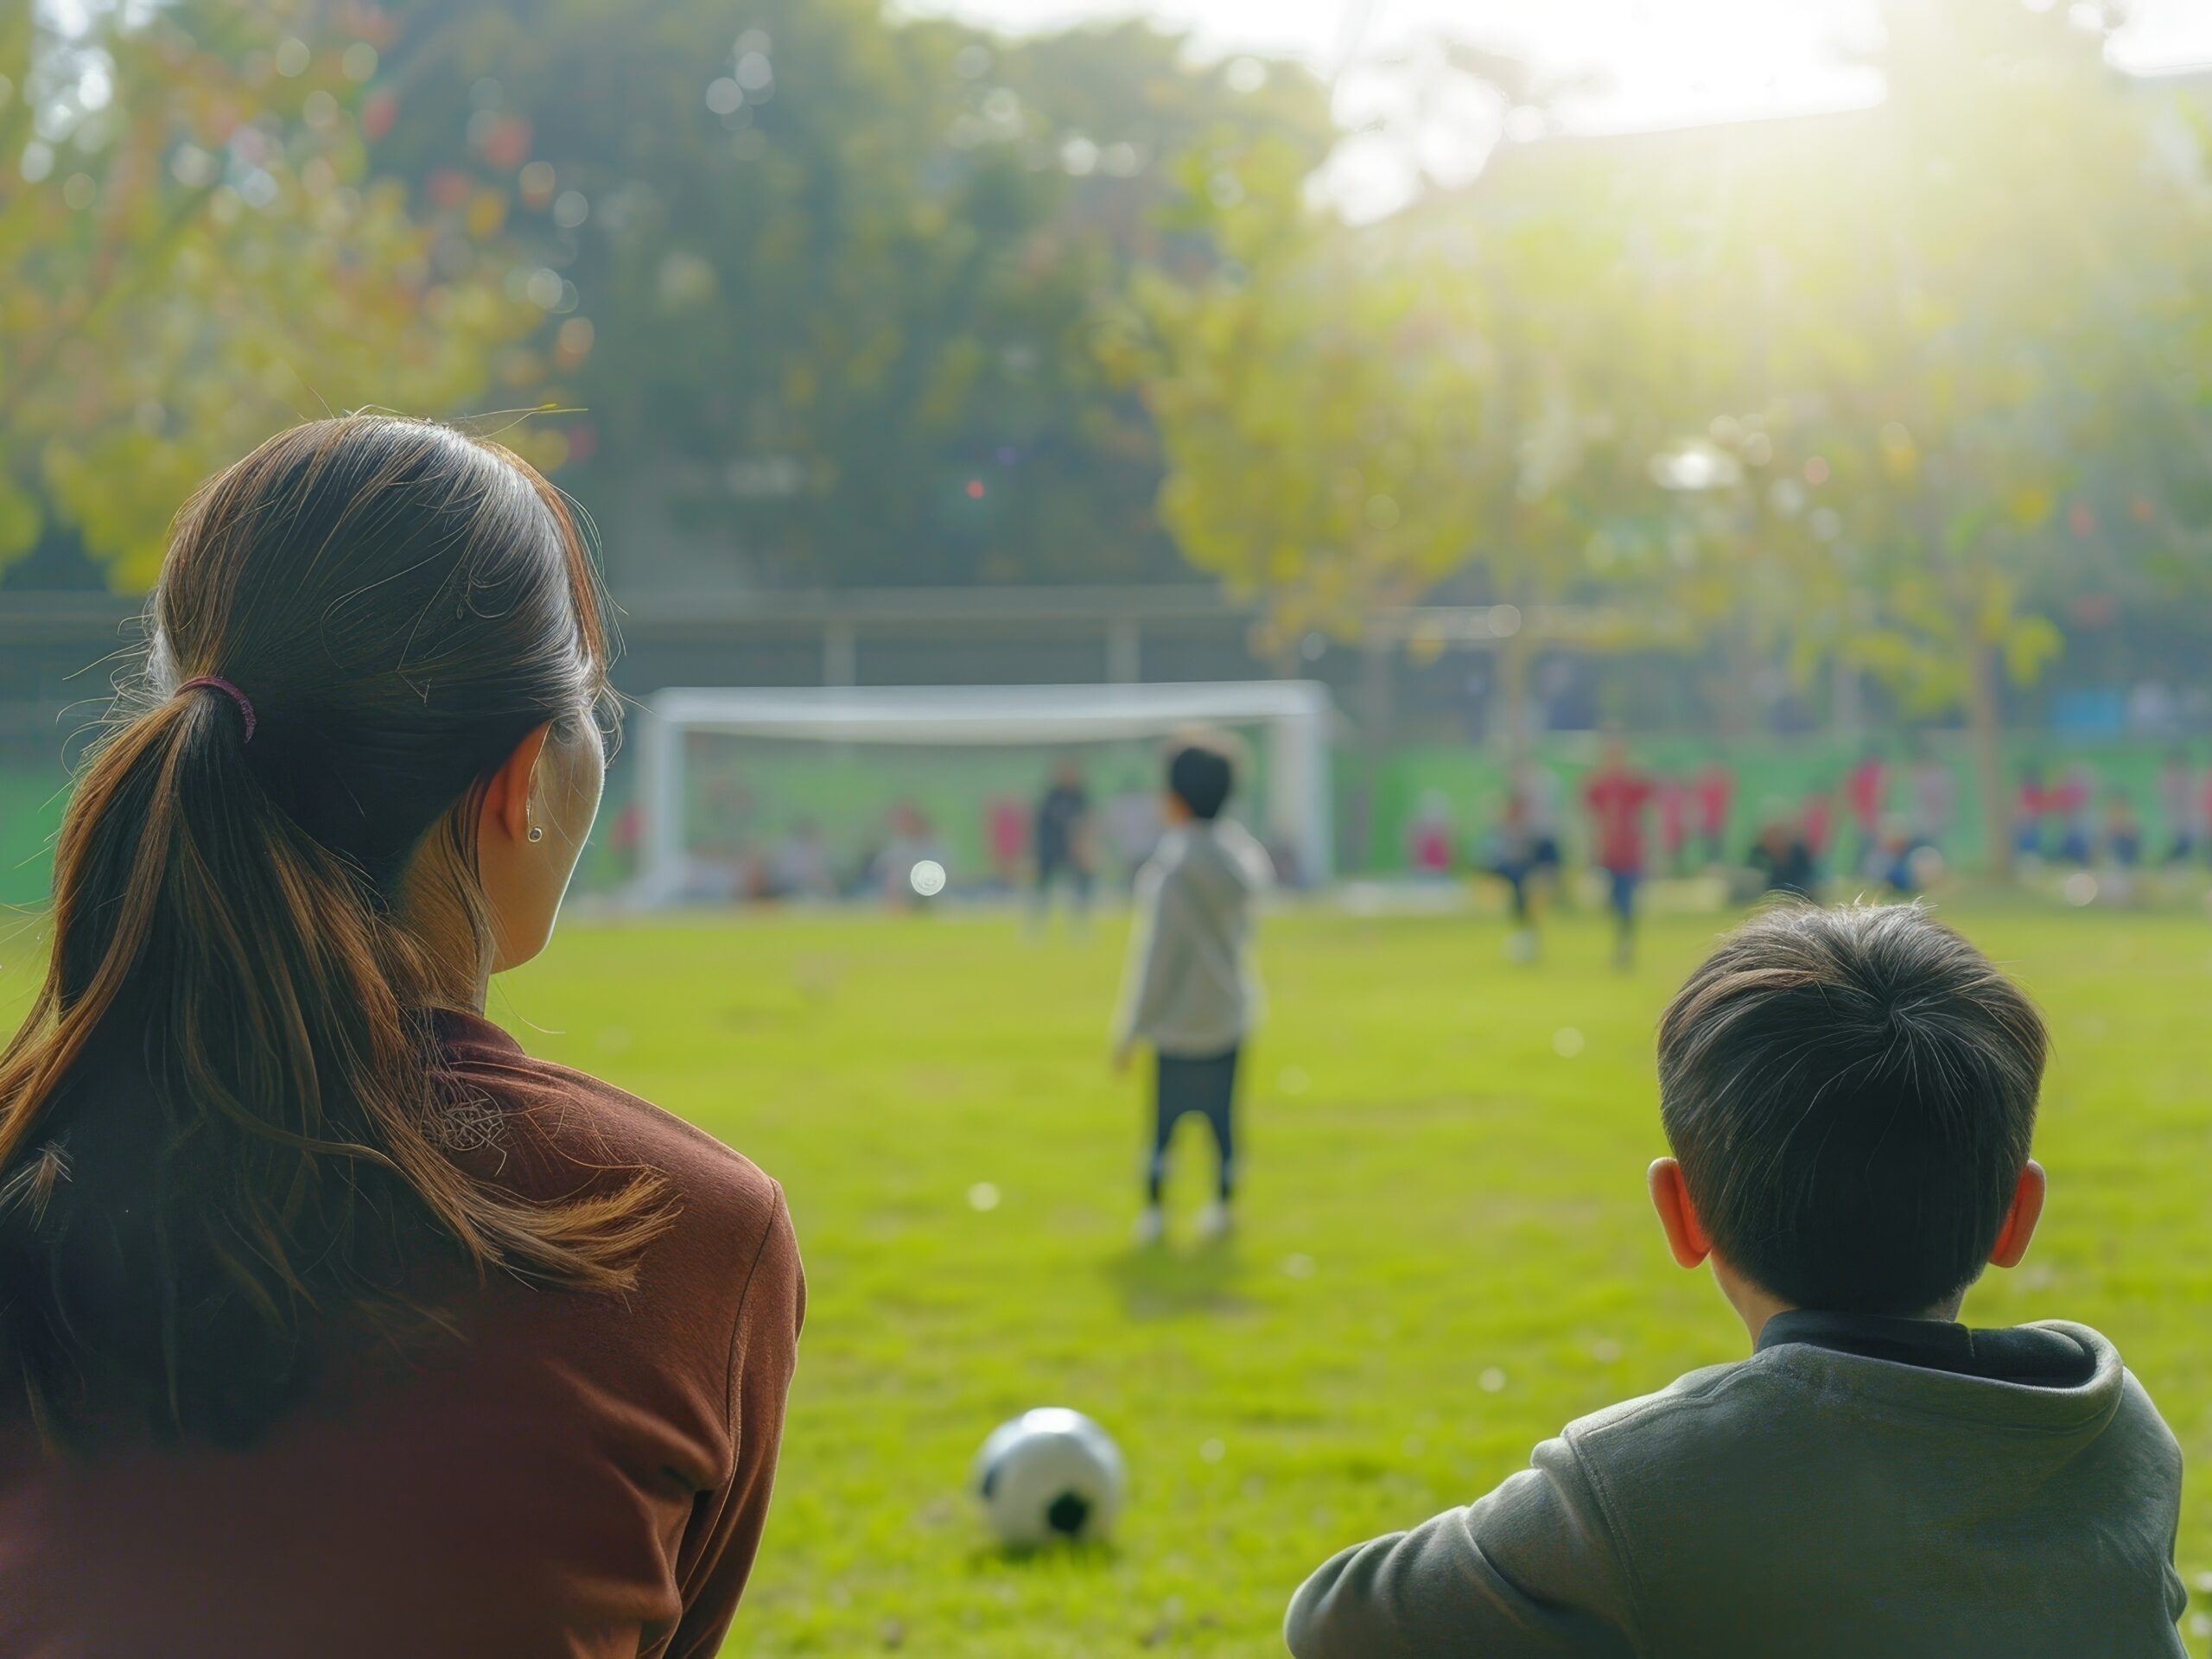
(754, 800)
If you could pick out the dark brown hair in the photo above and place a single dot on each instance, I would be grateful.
(1201, 770)
(220, 1126)
(1851, 1093)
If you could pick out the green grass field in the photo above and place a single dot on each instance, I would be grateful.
(1446, 1252)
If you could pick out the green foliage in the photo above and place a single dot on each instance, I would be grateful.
(839, 274)
(194, 251)
(1896, 341)
(1318, 449)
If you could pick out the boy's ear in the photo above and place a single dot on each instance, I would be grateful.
(1670, 1197)
(2020, 1218)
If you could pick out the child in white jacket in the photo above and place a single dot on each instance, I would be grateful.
(1191, 994)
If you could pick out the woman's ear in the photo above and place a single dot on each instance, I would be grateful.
(2020, 1218)
(1670, 1197)
(506, 797)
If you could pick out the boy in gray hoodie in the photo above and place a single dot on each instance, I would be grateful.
(1849, 1094)
(1191, 991)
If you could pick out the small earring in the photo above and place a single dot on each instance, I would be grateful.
(536, 832)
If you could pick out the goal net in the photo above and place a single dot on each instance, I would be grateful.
(822, 790)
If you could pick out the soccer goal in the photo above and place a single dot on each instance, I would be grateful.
(726, 771)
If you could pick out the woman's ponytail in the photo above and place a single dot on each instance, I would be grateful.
(220, 1146)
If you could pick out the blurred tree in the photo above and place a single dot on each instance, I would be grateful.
(1943, 325)
(1893, 387)
(1317, 404)
(193, 253)
(1354, 415)
(832, 277)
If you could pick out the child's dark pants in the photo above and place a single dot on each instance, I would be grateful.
(1207, 1086)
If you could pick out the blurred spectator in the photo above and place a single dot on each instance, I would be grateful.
(799, 868)
(627, 838)
(1783, 858)
(1892, 862)
(2178, 805)
(2074, 805)
(1512, 856)
(2030, 812)
(1714, 793)
(1005, 837)
(1535, 788)
(1865, 797)
(1934, 797)
(2122, 841)
(1428, 837)
(1671, 799)
(1817, 815)
(1063, 843)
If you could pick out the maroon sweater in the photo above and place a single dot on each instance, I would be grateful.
(577, 1475)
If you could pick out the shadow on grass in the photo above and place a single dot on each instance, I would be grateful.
(1091, 1557)
(1165, 1281)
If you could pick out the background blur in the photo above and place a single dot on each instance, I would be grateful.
(1818, 390)
(1767, 379)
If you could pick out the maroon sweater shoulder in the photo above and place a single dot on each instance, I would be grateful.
(573, 1474)
(549, 1131)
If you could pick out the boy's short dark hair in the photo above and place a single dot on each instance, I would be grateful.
(1850, 1093)
(1200, 774)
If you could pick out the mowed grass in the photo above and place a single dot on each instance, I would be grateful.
(1445, 1250)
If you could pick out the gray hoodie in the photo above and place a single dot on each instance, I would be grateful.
(1856, 1489)
(1190, 992)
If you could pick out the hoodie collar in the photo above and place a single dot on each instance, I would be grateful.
(2031, 1356)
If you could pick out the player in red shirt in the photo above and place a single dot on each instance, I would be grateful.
(1617, 796)
(2031, 808)
(1865, 792)
(1819, 820)
(1713, 792)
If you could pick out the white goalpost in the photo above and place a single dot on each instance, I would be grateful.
(1295, 806)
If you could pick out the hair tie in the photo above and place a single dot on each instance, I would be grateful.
(245, 704)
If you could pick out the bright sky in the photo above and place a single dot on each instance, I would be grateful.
(1655, 63)
(1668, 61)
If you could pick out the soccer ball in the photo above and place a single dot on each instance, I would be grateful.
(1050, 1476)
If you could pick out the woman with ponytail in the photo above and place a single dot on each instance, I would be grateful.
(330, 1323)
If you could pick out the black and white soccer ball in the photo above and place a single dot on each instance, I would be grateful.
(1050, 1476)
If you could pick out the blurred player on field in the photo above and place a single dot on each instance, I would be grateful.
(1617, 796)
(1512, 857)
(1672, 798)
(1428, 837)
(1817, 816)
(1865, 799)
(2030, 809)
(2178, 806)
(1935, 798)
(1713, 792)
(1781, 858)
(1063, 842)
(1006, 838)
(2073, 804)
